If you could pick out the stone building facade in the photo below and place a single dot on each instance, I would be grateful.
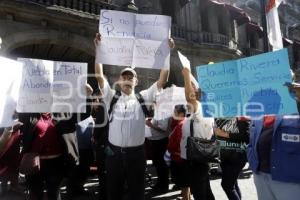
(289, 16)
(204, 30)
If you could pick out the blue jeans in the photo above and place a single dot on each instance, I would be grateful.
(268, 189)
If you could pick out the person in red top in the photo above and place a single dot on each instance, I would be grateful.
(52, 137)
(46, 142)
(179, 167)
(43, 138)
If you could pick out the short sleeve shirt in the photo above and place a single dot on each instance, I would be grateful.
(127, 120)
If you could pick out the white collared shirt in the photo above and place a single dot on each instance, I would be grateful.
(127, 126)
(203, 128)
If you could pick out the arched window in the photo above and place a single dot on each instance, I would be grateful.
(168, 8)
(222, 24)
(253, 40)
(204, 21)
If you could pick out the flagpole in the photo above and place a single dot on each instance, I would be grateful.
(264, 25)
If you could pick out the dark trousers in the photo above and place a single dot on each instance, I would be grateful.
(125, 166)
(158, 148)
(51, 172)
(79, 173)
(230, 174)
(200, 185)
(100, 161)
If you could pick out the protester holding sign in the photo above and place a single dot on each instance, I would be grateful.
(203, 128)
(125, 159)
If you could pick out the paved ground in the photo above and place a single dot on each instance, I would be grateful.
(245, 183)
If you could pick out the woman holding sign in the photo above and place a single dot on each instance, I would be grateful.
(203, 128)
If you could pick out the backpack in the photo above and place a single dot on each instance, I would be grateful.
(138, 97)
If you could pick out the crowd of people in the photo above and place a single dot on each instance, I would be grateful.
(112, 133)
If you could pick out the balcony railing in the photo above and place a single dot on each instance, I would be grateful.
(93, 7)
(203, 37)
(88, 6)
(252, 51)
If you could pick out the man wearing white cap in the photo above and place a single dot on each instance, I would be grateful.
(125, 158)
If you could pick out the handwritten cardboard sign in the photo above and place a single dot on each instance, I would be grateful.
(135, 40)
(185, 62)
(10, 76)
(251, 86)
(167, 100)
(49, 86)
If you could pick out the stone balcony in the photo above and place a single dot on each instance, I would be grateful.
(91, 7)
(204, 38)
(251, 51)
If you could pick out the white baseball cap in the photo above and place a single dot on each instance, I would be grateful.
(128, 69)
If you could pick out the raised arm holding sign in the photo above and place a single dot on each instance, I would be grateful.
(187, 64)
(126, 128)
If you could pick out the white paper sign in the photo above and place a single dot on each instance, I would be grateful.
(187, 64)
(184, 60)
(10, 76)
(135, 40)
(167, 100)
(49, 86)
(115, 51)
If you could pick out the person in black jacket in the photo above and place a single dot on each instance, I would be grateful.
(233, 135)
